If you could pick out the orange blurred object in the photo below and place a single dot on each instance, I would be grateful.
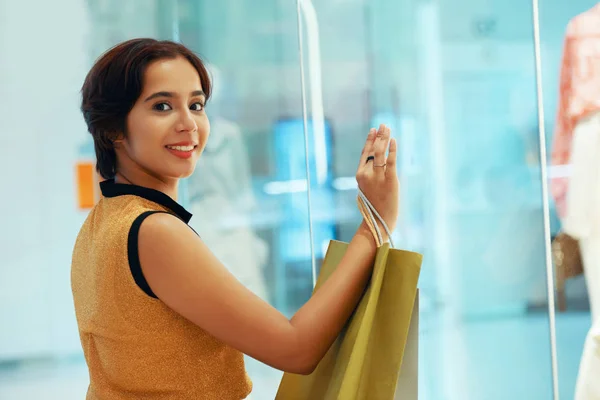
(87, 185)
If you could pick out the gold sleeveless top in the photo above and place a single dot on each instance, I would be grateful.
(134, 345)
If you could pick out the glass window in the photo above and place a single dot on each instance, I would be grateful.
(457, 84)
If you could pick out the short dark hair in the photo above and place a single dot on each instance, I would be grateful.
(113, 86)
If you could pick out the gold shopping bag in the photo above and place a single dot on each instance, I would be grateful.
(364, 363)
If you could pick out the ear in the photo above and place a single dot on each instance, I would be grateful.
(117, 139)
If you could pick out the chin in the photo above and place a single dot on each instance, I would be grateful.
(178, 170)
(181, 174)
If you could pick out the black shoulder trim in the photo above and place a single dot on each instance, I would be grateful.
(134, 256)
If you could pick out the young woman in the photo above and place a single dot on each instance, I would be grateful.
(159, 316)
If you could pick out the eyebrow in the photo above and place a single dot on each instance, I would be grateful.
(195, 93)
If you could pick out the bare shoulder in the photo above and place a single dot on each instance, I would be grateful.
(169, 251)
(162, 225)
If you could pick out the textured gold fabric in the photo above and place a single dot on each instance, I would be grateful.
(134, 345)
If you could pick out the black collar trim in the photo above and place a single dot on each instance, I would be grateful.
(110, 188)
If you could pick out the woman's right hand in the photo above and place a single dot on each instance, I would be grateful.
(377, 178)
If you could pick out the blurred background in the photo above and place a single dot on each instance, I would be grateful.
(455, 80)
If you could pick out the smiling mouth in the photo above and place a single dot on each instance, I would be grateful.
(182, 148)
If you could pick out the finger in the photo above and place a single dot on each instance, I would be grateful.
(381, 145)
(391, 158)
(368, 148)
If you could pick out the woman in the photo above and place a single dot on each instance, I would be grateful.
(159, 316)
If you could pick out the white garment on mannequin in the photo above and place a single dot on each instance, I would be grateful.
(588, 382)
(224, 167)
(582, 221)
(582, 217)
(221, 187)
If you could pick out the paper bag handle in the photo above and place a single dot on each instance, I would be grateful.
(369, 213)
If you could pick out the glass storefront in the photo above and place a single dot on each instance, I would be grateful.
(297, 85)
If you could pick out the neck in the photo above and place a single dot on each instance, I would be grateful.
(141, 178)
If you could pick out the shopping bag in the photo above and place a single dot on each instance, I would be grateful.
(365, 361)
(407, 387)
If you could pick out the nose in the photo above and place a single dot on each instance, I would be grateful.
(186, 122)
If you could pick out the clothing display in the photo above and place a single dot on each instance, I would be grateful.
(582, 221)
(577, 196)
(582, 213)
(220, 190)
(579, 91)
(588, 384)
(136, 346)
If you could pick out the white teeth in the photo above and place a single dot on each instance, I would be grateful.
(181, 148)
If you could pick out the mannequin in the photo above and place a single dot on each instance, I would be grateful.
(221, 190)
(577, 142)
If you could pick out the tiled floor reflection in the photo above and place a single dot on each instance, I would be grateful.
(474, 361)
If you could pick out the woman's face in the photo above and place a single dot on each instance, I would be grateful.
(167, 128)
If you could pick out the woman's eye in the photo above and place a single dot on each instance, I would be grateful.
(197, 106)
(162, 107)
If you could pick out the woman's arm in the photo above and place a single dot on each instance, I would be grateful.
(188, 278)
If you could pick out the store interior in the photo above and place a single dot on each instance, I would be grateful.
(297, 85)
